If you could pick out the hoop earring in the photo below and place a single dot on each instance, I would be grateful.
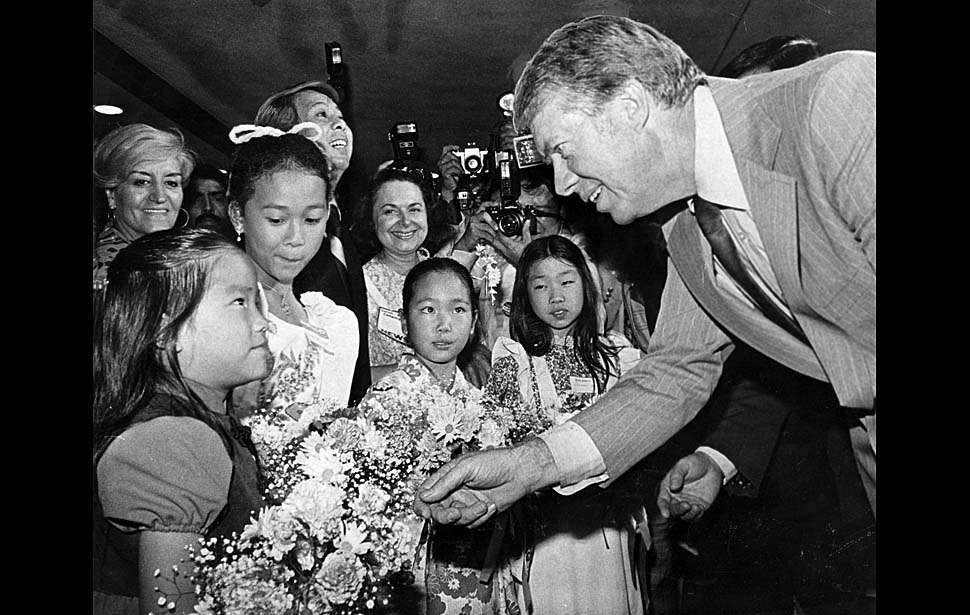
(185, 220)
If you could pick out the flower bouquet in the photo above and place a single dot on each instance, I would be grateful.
(411, 428)
(308, 551)
(339, 532)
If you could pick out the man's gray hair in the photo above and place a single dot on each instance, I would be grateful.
(589, 61)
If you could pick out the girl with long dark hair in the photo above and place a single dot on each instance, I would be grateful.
(577, 559)
(181, 327)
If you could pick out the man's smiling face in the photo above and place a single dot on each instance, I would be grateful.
(611, 157)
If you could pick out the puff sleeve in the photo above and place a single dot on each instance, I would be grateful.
(167, 474)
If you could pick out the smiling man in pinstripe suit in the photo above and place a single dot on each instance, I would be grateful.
(786, 160)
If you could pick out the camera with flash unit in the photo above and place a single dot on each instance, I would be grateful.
(407, 155)
(404, 141)
(509, 216)
(474, 160)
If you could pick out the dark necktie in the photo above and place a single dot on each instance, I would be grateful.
(712, 226)
(337, 263)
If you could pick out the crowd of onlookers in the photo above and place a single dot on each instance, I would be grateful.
(330, 299)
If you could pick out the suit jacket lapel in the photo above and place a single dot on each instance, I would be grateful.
(691, 254)
(772, 199)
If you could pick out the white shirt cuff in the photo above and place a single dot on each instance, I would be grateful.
(577, 459)
(727, 468)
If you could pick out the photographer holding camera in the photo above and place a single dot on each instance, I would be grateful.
(503, 218)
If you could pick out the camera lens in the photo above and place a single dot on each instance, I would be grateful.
(473, 164)
(510, 225)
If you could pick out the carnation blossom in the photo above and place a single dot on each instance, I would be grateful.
(318, 505)
(370, 500)
(341, 577)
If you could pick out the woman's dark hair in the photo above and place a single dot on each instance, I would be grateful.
(535, 335)
(262, 156)
(154, 286)
(437, 265)
(363, 229)
(774, 53)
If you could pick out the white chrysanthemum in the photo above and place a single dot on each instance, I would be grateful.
(318, 460)
(277, 527)
(249, 532)
(318, 505)
(447, 422)
(353, 540)
(490, 434)
(370, 500)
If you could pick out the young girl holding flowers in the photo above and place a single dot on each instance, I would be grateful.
(439, 315)
(554, 366)
(181, 327)
(280, 193)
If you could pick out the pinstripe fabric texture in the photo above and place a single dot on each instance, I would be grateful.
(804, 143)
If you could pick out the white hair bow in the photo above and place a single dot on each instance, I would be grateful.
(244, 132)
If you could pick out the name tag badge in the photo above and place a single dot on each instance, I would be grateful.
(579, 385)
(389, 324)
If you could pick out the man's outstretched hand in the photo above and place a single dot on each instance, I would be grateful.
(469, 490)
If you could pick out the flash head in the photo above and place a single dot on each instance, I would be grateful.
(505, 102)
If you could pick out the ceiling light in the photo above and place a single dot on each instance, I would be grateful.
(108, 109)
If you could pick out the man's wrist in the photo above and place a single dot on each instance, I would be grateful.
(536, 459)
(719, 462)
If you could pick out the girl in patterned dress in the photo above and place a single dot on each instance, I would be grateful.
(438, 316)
(577, 557)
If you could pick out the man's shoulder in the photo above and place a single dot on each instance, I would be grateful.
(848, 59)
(838, 66)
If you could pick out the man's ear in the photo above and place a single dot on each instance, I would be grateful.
(635, 103)
(235, 216)
(109, 193)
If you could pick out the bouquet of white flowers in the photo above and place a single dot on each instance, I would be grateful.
(308, 551)
(339, 530)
